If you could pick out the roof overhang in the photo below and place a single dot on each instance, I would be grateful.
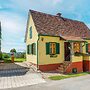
(73, 39)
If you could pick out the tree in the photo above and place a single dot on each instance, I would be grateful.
(13, 50)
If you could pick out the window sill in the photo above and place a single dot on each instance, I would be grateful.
(78, 54)
(54, 56)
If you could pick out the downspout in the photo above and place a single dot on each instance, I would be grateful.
(71, 52)
(37, 52)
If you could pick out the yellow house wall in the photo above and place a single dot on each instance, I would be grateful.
(46, 59)
(32, 58)
(76, 58)
(86, 57)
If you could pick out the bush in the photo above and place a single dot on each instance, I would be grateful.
(20, 55)
(0, 55)
(6, 56)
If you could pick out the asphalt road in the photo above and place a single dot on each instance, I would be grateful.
(77, 83)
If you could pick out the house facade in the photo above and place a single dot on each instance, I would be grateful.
(57, 43)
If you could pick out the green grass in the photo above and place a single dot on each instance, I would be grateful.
(59, 77)
(8, 60)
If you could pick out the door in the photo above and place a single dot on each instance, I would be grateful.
(67, 51)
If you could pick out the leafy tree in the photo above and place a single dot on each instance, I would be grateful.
(13, 50)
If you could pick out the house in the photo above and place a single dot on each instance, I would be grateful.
(57, 43)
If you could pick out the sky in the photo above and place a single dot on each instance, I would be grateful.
(14, 14)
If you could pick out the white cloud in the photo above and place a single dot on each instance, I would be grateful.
(12, 23)
(13, 30)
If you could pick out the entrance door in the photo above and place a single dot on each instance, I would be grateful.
(67, 51)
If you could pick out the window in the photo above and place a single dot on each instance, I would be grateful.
(30, 32)
(77, 47)
(28, 49)
(88, 48)
(31, 49)
(52, 48)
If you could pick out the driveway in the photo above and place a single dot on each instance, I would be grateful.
(13, 75)
(77, 83)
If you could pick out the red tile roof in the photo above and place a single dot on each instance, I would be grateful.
(54, 25)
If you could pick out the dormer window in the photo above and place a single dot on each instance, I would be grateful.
(30, 32)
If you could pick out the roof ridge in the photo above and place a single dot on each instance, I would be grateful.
(55, 15)
(41, 12)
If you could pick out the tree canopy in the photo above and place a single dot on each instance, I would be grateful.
(13, 50)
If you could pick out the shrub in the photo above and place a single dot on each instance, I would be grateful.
(0, 55)
(6, 55)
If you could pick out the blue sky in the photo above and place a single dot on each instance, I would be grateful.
(13, 16)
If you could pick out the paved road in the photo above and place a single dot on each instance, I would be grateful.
(78, 83)
(16, 75)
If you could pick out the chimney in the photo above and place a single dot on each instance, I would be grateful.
(58, 14)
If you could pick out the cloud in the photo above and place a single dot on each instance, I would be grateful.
(9, 45)
(13, 30)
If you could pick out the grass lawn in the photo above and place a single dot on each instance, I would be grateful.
(16, 60)
(59, 77)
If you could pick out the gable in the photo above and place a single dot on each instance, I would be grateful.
(30, 24)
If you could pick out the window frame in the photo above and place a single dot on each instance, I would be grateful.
(75, 47)
(52, 51)
(52, 48)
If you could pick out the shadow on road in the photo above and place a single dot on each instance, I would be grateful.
(12, 69)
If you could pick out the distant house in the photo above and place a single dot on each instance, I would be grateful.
(57, 43)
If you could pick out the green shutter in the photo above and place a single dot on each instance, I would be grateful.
(30, 49)
(34, 48)
(47, 48)
(86, 47)
(27, 49)
(30, 32)
(57, 48)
